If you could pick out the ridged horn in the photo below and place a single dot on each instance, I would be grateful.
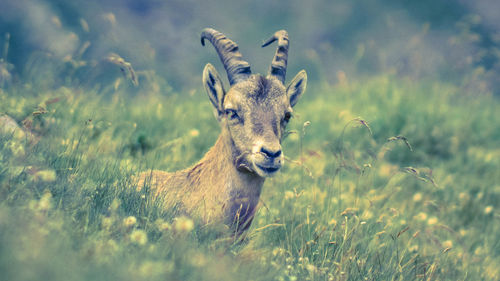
(278, 65)
(237, 69)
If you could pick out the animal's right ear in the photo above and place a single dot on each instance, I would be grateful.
(215, 89)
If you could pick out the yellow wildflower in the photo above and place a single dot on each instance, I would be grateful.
(183, 224)
(129, 221)
(432, 221)
(139, 237)
(417, 197)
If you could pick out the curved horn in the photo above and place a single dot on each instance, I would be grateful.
(237, 69)
(278, 65)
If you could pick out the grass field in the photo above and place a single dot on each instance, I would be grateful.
(386, 179)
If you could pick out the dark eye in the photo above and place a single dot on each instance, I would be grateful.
(287, 117)
(231, 114)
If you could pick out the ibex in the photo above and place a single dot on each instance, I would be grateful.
(224, 186)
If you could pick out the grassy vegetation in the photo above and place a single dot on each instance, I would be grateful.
(408, 191)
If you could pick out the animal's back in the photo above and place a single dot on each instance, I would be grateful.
(164, 185)
(186, 191)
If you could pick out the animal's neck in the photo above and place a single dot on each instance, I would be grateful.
(228, 181)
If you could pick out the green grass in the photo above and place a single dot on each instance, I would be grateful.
(352, 204)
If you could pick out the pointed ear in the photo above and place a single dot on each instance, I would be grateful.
(215, 89)
(297, 87)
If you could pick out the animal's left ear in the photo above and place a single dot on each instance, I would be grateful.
(215, 90)
(297, 87)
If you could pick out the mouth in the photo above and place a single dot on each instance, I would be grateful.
(268, 170)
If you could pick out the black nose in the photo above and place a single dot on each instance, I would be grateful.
(269, 153)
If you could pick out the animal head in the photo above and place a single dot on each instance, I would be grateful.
(256, 109)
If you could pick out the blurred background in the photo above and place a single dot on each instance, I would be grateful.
(456, 41)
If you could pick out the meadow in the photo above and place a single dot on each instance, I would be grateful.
(392, 155)
(385, 179)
